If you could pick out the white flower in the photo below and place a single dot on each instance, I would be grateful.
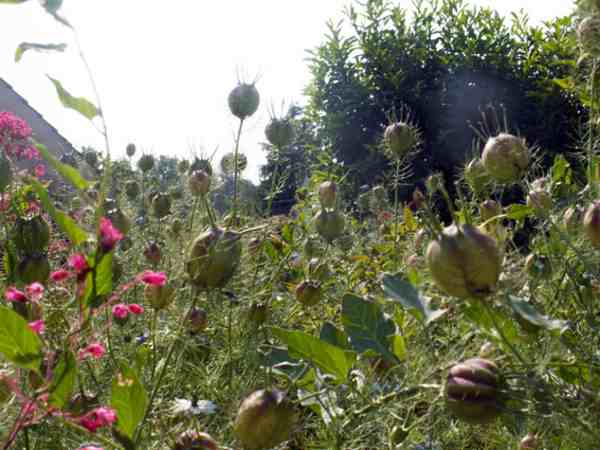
(187, 407)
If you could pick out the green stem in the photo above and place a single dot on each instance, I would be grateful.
(236, 169)
(590, 149)
(396, 215)
(512, 348)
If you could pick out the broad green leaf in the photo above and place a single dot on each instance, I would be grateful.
(19, 343)
(527, 312)
(67, 172)
(63, 380)
(25, 46)
(282, 363)
(334, 336)
(400, 290)
(65, 223)
(79, 104)
(327, 357)
(103, 285)
(480, 316)
(129, 399)
(519, 212)
(399, 347)
(367, 327)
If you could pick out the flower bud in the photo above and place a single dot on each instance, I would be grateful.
(258, 313)
(506, 158)
(591, 224)
(161, 205)
(329, 224)
(540, 201)
(400, 138)
(328, 194)
(243, 100)
(308, 293)
(31, 234)
(146, 163)
(130, 150)
(279, 132)
(199, 183)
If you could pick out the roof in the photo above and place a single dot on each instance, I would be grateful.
(43, 132)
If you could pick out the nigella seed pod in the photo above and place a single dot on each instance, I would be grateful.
(31, 234)
(199, 183)
(591, 224)
(258, 313)
(130, 149)
(464, 262)
(505, 158)
(474, 391)
(161, 205)
(328, 194)
(197, 320)
(279, 132)
(476, 176)
(264, 420)
(194, 440)
(540, 201)
(329, 224)
(400, 138)
(308, 293)
(243, 100)
(572, 218)
(146, 163)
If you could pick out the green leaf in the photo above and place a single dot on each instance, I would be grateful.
(103, 274)
(129, 399)
(19, 343)
(367, 327)
(527, 312)
(334, 336)
(480, 316)
(400, 290)
(399, 347)
(65, 223)
(519, 212)
(25, 46)
(327, 357)
(67, 172)
(63, 380)
(79, 104)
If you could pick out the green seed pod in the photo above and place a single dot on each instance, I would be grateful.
(159, 297)
(258, 313)
(32, 268)
(91, 157)
(199, 183)
(130, 150)
(31, 234)
(400, 138)
(214, 257)
(119, 220)
(6, 174)
(489, 209)
(201, 164)
(572, 218)
(464, 262)
(132, 189)
(243, 100)
(197, 320)
(146, 163)
(476, 176)
(329, 224)
(506, 158)
(328, 194)
(228, 163)
(279, 132)
(474, 391)
(591, 224)
(161, 205)
(194, 440)
(588, 35)
(540, 201)
(264, 420)
(308, 293)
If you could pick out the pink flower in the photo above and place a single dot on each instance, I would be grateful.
(60, 275)
(14, 295)
(90, 447)
(98, 418)
(40, 170)
(35, 291)
(109, 235)
(78, 263)
(37, 326)
(154, 278)
(95, 350)
(120, 311)
(31, 153)
(136, 309)
(4, 202)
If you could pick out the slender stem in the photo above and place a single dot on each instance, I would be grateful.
(236, 169)
(590, 149)
(229, 343)
(512, 348)
(396, 215)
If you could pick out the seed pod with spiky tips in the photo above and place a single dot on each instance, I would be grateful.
(201, 164)
(572, 218)
(199, 183)
(474, 391)
(279, 132)
(161, 205)
(228, 163)
(194, 440)
(119, 220)
(329, 224)
(159, 297)
(33, 267)
(540, 201)
(31, 234)
(489, 209)
(591, 224)
(588, 35)
(153, 253)
(476, 176)
(264, 420)
(132, 189)
(400, 138)
(308, 293)
(243, 100)
(6, 174)
(328, 194)
(146, 163)
(197, 320)
(214, 257)
(464, 262)
(69, 159)
(91, 157)
(529, 442)
(130, 149)
(506, 158)
(258, 313)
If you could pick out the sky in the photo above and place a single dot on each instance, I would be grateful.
(164, 69)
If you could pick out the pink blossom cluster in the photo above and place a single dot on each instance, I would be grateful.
(109, 235)
(98, 418)
(15, 137)
(120, 311)
(34, 293)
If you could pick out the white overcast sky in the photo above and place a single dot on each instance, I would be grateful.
(164, 68)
